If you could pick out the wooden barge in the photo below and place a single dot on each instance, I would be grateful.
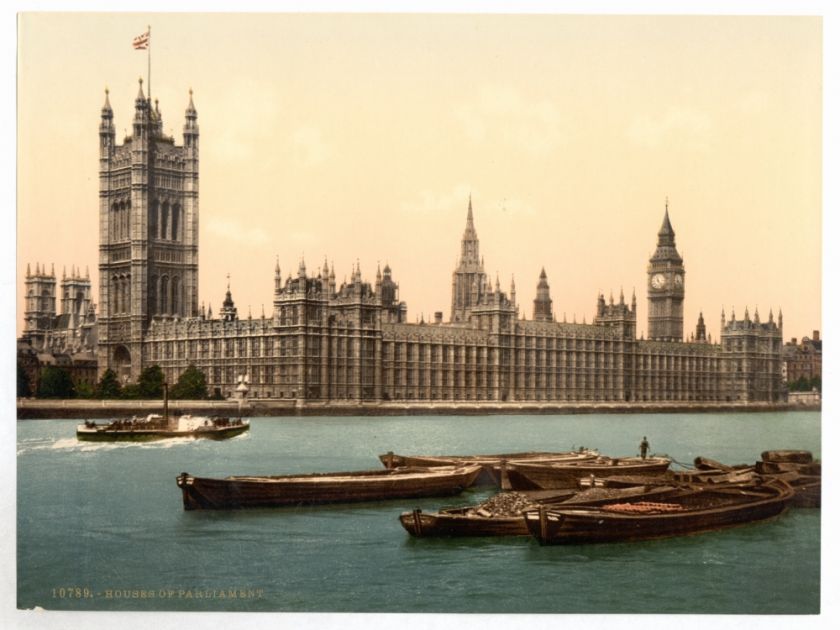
(491, 465)
(203, 493)
(482, 520)
(695, 510)
(525, 475)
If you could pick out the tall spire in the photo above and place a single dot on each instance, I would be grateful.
(191, 113)
(666, 232)
(469, 231)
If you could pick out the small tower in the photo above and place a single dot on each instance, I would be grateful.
(542, 303)
(75, 297)
(228, 311)
(39, 313)
(700, 331)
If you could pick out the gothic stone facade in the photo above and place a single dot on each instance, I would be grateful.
(324, 342)
(65, 338)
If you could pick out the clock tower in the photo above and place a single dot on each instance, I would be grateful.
(666, 287)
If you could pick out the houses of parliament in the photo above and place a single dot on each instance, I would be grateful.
(323, 342)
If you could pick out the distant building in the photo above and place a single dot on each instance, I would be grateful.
(803, 360)
(65, 338)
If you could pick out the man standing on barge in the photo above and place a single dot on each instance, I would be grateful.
(644, 447)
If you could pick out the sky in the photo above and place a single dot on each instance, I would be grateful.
(362, 137)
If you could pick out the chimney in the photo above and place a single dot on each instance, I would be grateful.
(815, 336)
(793, 341)
(438, 317)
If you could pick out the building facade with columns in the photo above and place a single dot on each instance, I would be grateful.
(324, 342)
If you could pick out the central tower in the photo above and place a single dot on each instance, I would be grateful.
(148, 231)
(666, 287)
(468, 280)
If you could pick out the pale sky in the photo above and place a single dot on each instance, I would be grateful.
(362, 137)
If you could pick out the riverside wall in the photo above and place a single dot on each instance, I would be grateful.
(44, 409)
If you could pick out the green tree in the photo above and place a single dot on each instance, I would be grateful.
(150, 383)
(109, 385)
(24, 390)
(191, 385)
(131, 391)
(56, 383)
(85, 390)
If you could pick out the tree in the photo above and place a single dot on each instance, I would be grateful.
(56, 383)
(85, 390)
(24, 390)
(109, 385)
(191, 385)
(131, 391)
(150, 383)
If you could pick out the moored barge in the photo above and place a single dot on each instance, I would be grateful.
(204, 493)
(695, 510)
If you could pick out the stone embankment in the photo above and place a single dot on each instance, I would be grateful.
(34, 408)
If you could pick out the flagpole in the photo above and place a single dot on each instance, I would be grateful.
(149, 61)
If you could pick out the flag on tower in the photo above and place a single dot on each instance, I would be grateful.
(141, 42)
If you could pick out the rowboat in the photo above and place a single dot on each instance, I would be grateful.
(487, 519)
(525, 475)
(204, 493)
(491, 473)
(695, 510)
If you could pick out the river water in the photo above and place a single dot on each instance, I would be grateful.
(101, 526)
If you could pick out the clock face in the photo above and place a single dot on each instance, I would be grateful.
(678, 280)
(658, 281)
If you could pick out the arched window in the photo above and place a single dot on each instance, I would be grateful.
(176, 220)
(153, 220)
(126, 293)
(153, 289)
(115, 296)
(164, 295)
(112, 223)
(164, 220)
(176, 295)
(127, 218)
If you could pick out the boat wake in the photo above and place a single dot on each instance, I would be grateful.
(72, 444)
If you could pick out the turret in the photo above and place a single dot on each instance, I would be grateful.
(228, 310)
(542, 303)
(700, 332)
(141, 113)
(106, 128)
(325, 274)
(191, 126)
